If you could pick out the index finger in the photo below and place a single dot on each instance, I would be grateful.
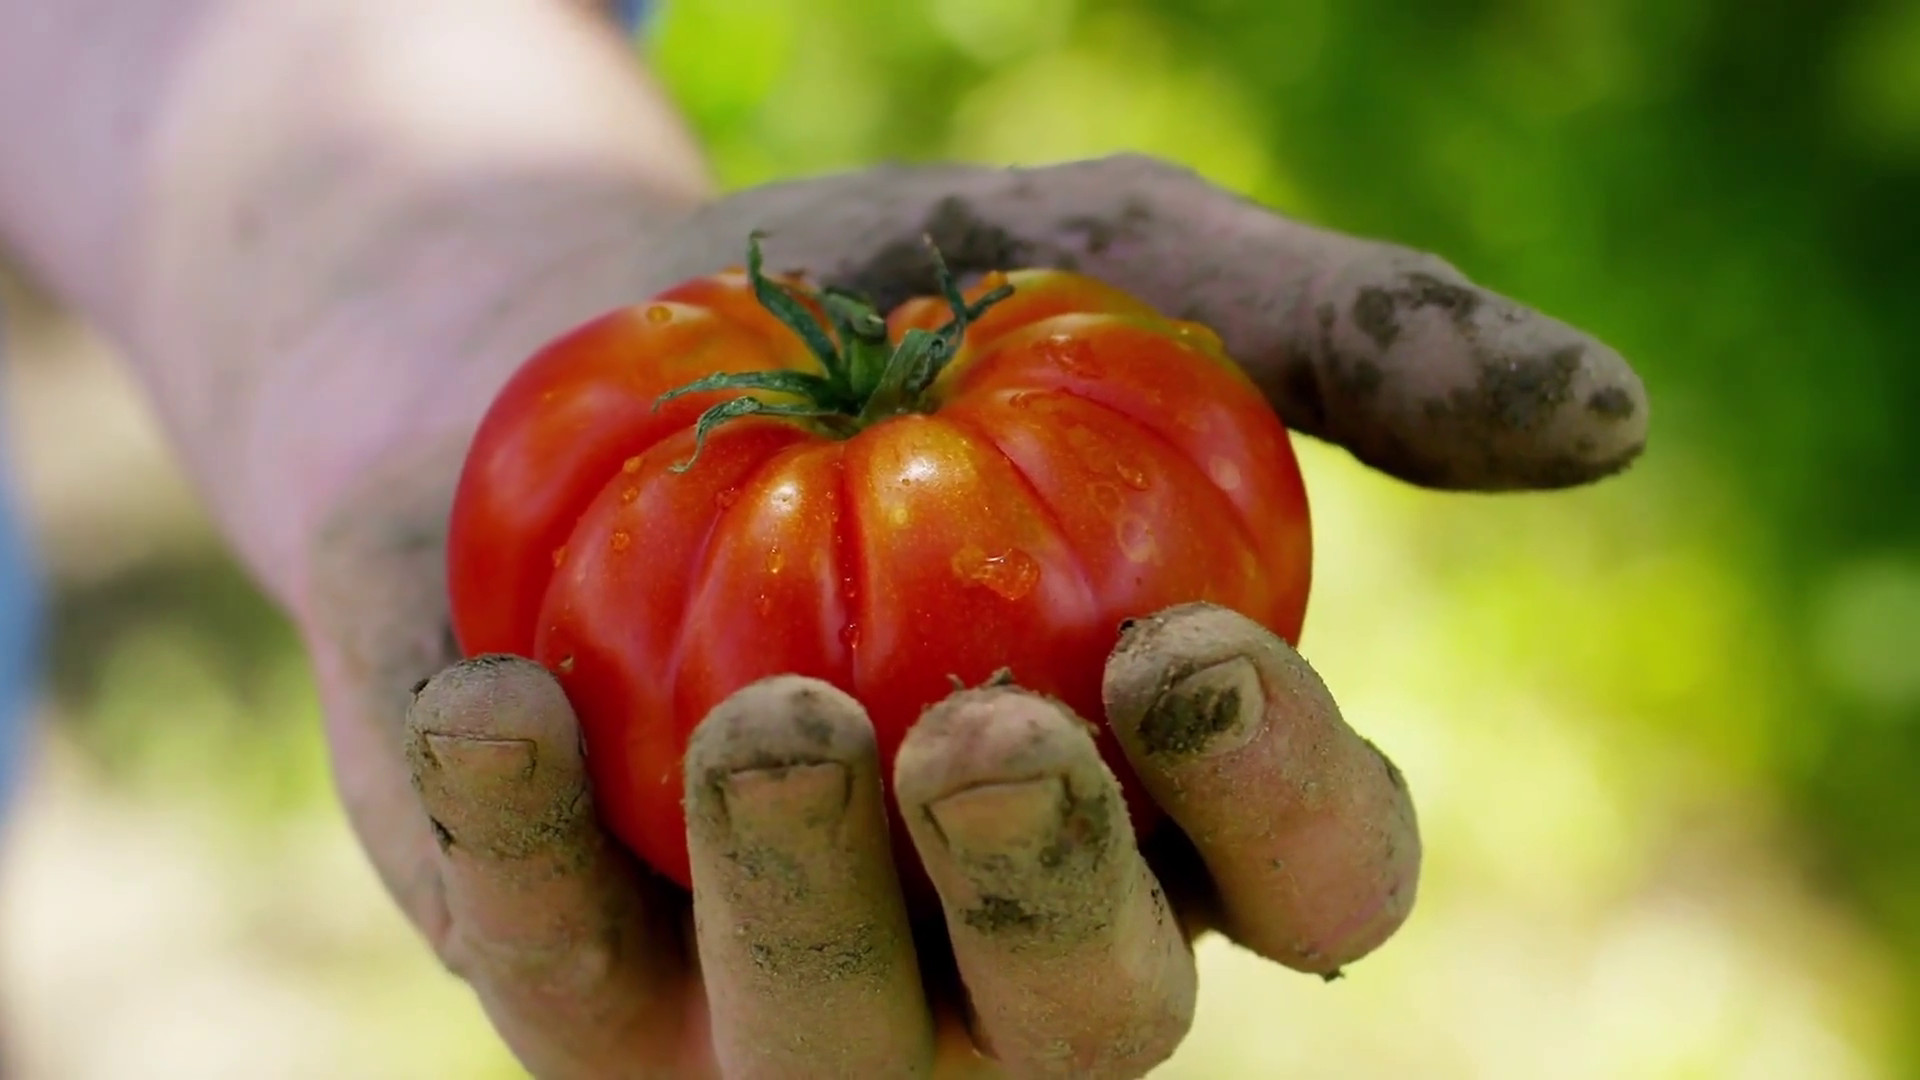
(1305, 829)
(1388, 352)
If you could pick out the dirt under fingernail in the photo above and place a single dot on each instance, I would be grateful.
(1026, 852)
(1212, 711)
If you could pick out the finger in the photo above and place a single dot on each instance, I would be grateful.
(1388, 352)
(1073, 963)
(576, 956)
(1307, 830)
(804, 942)
(374, 619)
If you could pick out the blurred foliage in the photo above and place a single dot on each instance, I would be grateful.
(1729, 193)
(195, 633)
(1590, 690)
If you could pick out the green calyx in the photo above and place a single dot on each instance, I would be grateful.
(866, 377)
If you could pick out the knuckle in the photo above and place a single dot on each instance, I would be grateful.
(434, 921)
(571, 966)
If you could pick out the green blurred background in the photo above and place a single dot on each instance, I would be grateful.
(1662, 731)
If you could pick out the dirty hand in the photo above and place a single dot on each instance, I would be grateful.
(1066, 948)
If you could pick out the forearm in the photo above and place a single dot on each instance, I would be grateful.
(324, 230)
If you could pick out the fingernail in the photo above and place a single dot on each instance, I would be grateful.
(480, 763)
(1213, 711)
(788, 797)
(1002, 819)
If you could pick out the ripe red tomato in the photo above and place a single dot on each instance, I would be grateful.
(895, 505)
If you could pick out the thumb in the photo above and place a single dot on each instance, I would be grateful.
(1386, 351)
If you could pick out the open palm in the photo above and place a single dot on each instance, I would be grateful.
(1066, 944)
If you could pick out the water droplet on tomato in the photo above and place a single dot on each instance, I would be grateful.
(763, 604)
(1136, 539)
(1106, 498)
(659, 313)
(726, 497)
(1020, 399)
(566, 664)
(1009, 576)
(850, 635)
(1224, 473)
(1072, 354)
(628, 494)
(631, 465)
(1131, 474)
(559, 556)
(1191, 420)
(620, 541)
(776, 559)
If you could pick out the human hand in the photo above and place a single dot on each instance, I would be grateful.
(1066, 945)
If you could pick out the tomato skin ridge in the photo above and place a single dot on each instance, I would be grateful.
(1073, 323)
(958, 385)
(705, 554)
(850, 558)
(956, 417)
(545, 568)
(523, 412)
(1147, 432)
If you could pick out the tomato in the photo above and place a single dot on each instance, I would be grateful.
(981, 483)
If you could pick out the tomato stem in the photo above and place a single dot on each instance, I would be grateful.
(733, 410)
(779, 298)
(865, 335)
(865, 377)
